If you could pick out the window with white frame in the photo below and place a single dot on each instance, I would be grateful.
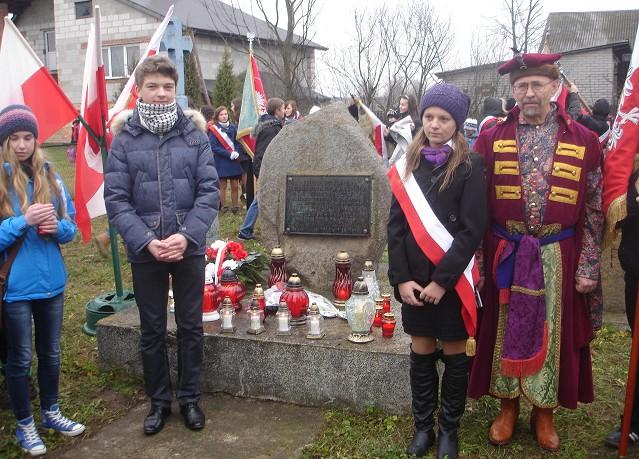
(120, 60)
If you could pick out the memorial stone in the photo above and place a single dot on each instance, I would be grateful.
(322, 189)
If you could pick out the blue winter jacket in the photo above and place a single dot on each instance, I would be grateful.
(38, 271)
(157, 186)
(226, 167)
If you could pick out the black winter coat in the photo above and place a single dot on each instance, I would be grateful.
(267, 128)
(596, 124)
(461, 208)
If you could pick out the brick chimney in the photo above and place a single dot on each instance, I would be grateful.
(4, 11)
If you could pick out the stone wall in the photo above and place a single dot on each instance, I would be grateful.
(37, 19)
(593, 72)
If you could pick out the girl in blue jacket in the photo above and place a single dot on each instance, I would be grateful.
(36, 211)
(222, 137)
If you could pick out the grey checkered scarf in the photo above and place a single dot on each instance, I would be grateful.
(159, 118)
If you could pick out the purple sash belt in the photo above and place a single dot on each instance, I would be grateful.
(520, 278)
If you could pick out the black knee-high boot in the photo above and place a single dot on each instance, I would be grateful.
(424, 383)
(453, 402)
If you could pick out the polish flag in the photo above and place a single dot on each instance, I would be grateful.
(129, 94)
(378, 132)
(24, 80)
(623, 148)
(89, 176)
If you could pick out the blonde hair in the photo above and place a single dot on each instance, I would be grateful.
(44, 182)
(461, 155)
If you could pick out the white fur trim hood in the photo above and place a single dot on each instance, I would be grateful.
(121, 118)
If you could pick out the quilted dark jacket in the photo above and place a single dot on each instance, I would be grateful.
(158, 186)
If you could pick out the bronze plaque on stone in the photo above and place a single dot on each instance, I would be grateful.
(331, 205)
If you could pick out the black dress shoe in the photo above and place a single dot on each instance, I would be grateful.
(193, 416)
(154, 421)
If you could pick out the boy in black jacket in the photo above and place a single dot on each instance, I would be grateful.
(268, 126)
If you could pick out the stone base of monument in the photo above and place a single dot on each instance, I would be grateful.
(327, 372)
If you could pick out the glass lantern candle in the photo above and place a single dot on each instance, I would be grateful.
(278, 267)
(255, 319)
(368, 273)
(227, 314)
(296, 300)
(387, 302)
(209, 303)
(343, 283)
(283, 319)
(315, 323)
(360, 312)
(231, 287)
(388, 325)
(379, 312)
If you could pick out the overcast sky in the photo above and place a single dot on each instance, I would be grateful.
(335, 22)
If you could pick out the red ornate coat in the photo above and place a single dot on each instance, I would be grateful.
(577, 154)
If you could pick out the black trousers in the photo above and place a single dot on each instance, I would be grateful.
(631, 299)
(151, 287)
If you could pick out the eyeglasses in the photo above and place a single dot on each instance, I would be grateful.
(537, 86)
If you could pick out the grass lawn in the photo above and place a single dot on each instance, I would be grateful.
(96, 398)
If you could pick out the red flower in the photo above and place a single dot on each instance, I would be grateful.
(236, 250)
(210, 253)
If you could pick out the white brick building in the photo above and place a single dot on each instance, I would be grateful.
(595, 47)
(58, 29)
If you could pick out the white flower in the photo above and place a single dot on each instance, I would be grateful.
(232, 264)
(217, 245)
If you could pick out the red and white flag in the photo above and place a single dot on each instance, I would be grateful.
(24, 80)
(623, 147)
(129, 94)
(433, 238)
(89, 175)
(378, 132)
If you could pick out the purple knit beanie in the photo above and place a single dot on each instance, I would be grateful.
(15, 118)
(450, 98)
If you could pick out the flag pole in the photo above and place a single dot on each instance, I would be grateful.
(632, 382)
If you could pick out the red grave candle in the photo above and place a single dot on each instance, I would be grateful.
(296, 299)
(343, 283)
(278, 267)
(379, 313)
(231, 287)
(387, 302)
(388, 325)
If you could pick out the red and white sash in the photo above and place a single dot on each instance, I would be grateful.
(222, 137)
(433, 238)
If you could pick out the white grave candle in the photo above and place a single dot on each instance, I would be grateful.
(282, 323)
(227, 321)
(315, 326)
(255, 321)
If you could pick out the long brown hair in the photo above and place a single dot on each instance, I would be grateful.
(44, 182)
(461, 155)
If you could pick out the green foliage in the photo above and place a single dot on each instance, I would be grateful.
(192, 82)
(225, 82)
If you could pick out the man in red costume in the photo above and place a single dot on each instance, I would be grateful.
(542, 252)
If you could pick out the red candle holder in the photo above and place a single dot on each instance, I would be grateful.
(379, 313)
(278, 267)
(209, 303)
(387, 302)
(388, 325)
(296, 299)
(343, 283)
(231, 287)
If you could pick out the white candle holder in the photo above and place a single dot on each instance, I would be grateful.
(315, 323)
(283, 319)
(227, 316)
(255, 319)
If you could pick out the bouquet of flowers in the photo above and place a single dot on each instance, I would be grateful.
(230, 254)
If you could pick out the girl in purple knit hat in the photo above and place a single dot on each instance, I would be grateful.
(36, 216)
(437, 221)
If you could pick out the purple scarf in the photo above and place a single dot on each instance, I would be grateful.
(437, 156)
